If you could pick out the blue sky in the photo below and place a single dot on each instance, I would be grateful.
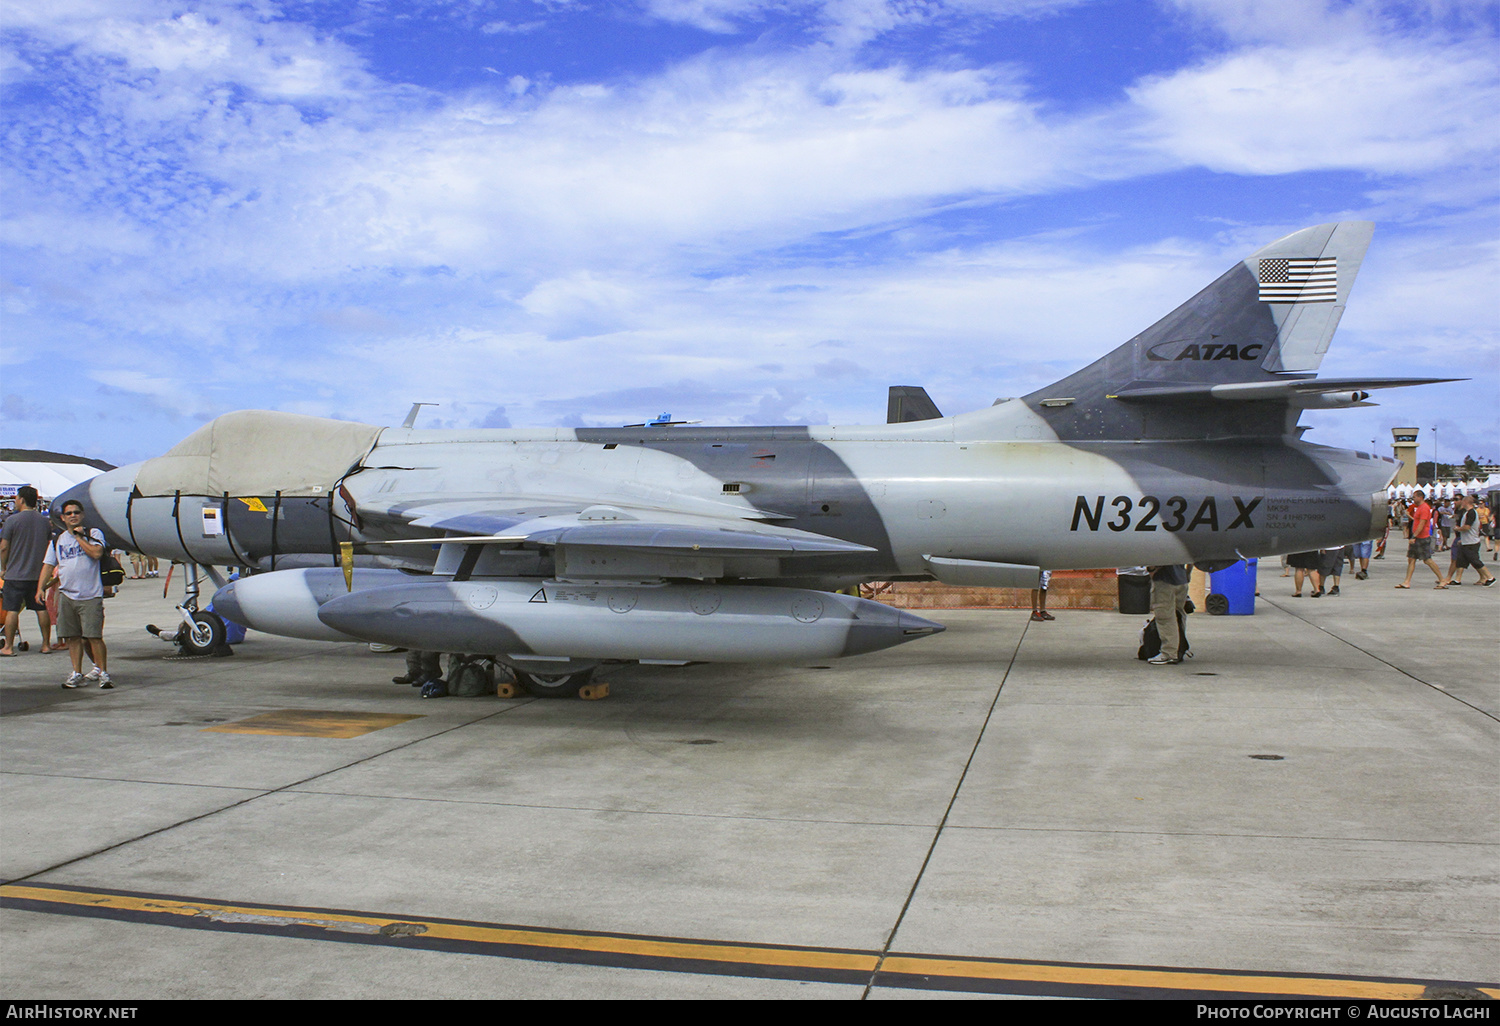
(563, 212)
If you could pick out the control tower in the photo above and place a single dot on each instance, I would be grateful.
(1404, 446)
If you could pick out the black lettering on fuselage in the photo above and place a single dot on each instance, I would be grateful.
(1178, 505)
(1081, 508)
(1242, 513)
(1208, 514)
(1145, 523)
(1144, 512)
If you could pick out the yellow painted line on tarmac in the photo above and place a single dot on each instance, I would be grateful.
(477, 933)
(672, 954)
(1151, 979)
(312, 723)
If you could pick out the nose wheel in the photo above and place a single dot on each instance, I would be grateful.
(203, 635)
(201, 632)
(554, 685)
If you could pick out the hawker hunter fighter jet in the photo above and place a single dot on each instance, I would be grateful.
(557, 550)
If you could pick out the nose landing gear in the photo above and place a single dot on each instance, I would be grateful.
(200, 633)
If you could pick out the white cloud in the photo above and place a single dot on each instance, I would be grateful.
(1379, 108)
(1322, 22)
(186, 52)
(243, 213)
(845, 22)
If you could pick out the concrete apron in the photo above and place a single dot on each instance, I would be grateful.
(1009, 807)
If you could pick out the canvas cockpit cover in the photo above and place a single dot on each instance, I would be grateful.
(259, 452)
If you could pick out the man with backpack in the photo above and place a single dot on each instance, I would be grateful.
(73, 557)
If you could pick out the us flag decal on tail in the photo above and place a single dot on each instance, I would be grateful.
(1299, 280)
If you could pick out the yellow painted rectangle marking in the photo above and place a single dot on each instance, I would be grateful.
(313, 723)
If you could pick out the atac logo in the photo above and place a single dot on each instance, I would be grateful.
(1180, 349)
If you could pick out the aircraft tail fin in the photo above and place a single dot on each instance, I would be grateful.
(1269, 318)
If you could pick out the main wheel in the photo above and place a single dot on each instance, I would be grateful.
(548, 685)
(203, 636)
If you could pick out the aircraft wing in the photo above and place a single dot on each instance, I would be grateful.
(621, 527)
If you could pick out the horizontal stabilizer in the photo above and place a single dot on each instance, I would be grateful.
(1284, 390)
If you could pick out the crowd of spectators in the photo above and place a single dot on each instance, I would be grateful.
(1463, 526)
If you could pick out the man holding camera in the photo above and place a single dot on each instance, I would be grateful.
(73, 558)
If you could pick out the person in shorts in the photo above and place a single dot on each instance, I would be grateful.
(1419, 546)
(73, 558)
(1466, 547)
(23, 544)
(1330, 568)
(1361, 552)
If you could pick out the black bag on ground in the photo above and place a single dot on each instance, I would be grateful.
(1151, 640)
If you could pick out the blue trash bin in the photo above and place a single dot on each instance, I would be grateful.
(1237, 585)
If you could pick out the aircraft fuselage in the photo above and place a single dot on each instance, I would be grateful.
(907, 492)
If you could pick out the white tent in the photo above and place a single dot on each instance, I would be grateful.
(49, 479)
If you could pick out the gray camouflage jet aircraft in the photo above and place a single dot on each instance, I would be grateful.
(557, 550)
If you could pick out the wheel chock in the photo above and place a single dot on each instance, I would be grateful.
(594, 692)
(507, 689)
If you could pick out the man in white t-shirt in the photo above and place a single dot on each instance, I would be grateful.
(73, 557)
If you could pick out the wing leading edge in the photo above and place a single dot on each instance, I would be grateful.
(594, 543)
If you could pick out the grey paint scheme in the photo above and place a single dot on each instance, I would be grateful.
(517, 620)
(1068, 477)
